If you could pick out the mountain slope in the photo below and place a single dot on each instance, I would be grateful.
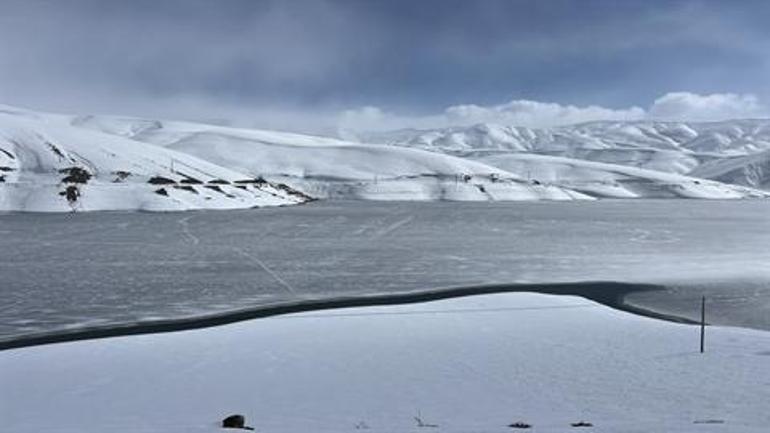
(325, 167)
(613, 180)
(750, 170)
(48, 165)
(674, 147)
(59, 163)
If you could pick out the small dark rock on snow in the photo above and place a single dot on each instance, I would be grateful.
(236, 421)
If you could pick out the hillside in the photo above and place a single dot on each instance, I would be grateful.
(48, 165)
(750, 170)
(57, 163)
(613, 180)
(329, 168)
(673, 147)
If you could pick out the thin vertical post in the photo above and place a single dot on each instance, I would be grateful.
(702, 324)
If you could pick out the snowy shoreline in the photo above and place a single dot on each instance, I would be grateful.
(466, 364)
(610, 294)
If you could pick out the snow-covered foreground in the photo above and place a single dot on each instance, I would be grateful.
(467, 364)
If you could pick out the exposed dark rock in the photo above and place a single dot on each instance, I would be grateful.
(186, 188)
(214, 188)
(219, 182)
(4, 168)
(291, 191)
(75, 175)
(160, 180)
(581, 424)
(520, 425)
(120, 175)
(72, 193)
(236, 421)
(161, 191)
(190, 180)
(56, 150)
(257, 181)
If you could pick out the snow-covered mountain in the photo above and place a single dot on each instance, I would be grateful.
(672, 147)
(752, 170)
(599, 179)
(329, 168)
(46, 164)
(52, 162)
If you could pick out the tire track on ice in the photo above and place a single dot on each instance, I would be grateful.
(262, 265)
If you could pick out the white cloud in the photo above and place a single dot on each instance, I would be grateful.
(718, 106)
(517, 112)
(536, 114)
(682, 106)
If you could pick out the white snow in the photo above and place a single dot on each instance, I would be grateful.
(467, 364)
(751, 170)
(481, 163)
(36, 147)
(673, 147)
(613, 180)
(325, 167)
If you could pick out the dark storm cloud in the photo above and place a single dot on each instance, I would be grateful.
(282, 60)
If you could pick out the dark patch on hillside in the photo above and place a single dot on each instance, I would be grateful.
(190, 180)
(76, 175)
(219, 190)
(120, 176)
(71, 193)
(187, 188)
(7, 153)
(160, 180)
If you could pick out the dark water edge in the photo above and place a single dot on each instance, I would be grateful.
(610, 294)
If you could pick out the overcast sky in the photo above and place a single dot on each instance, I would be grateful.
(373, 64)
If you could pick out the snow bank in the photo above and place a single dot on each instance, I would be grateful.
(466, 364)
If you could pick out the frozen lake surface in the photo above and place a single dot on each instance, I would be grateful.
(67, 272)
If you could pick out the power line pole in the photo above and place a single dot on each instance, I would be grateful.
(702, 324)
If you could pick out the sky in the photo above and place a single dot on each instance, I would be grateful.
(325, 66)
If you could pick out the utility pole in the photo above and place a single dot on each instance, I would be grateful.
(702, 324)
